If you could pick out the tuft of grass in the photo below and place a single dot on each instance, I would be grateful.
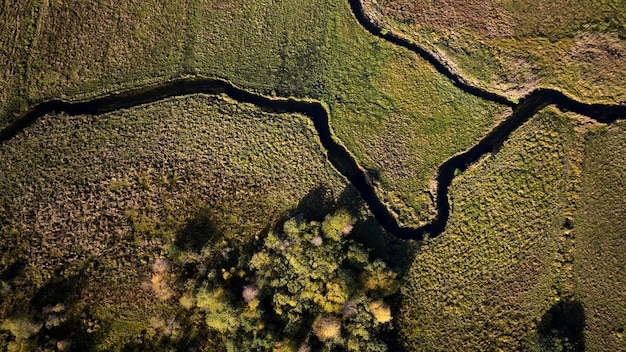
(485, 283)
(102, 197)
(19, 24)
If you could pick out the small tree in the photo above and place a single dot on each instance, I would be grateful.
(327, 327)
(313, 274)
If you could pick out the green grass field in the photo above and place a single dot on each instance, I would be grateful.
(392, 111)
(109, 223)
(514, 47)
(17, 29)
(600, 241)
(498, 267)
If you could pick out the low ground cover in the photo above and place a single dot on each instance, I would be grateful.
(17, 28)
(514, 47)
(112, 219)
(89, 206)
(486, 282)
(393, 111)
(600, 241)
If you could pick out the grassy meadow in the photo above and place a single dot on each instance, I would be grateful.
(502, 262)
(600, 242)
(89, 204)
(109, 223)
(514, 47)
(17, 29)
(393, 111)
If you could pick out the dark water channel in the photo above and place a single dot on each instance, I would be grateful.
(337, 153)
(522, 111)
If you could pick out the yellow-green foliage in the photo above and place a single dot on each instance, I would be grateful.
(326, 327)
(301, 272)
(486, 282)
(337, 293)
(303, 279)
(220, 315)
(377, 277)
(266, 164)
(285, 346)
(599, 232)
(381, 311)
(85, 177)
(336, 225)
(21, 328)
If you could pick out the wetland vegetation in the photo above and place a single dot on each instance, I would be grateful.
(238, 175)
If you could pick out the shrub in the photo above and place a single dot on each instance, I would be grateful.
(377, 277)
(22, 328)
(336, 225)
(327, 327)
(381, 311)
(220, 315)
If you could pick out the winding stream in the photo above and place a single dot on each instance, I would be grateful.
(338, 155)
(459, 81)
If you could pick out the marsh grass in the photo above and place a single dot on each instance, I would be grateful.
(393, 111)
(514, 47)
(600, 242)
(498, 267)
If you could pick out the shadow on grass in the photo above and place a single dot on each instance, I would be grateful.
(59, 290)
(65, 291)
(199, 231)
(318, 202)
(193, 337)
(13, 270)
(561, 328)
(397, 253)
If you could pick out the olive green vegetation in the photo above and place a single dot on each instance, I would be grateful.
(114, 228)
(504, 257)
(599, 231)
(311, 286)
(393, 111)
(88, 205)
(516, 46)
(17, 28)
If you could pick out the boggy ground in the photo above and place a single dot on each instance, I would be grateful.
(397, 115)
(392, 110)
(599, 232)
(503, 259)
(514, 47)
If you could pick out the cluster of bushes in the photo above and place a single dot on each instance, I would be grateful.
(309, 287)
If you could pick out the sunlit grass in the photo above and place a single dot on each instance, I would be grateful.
(488, 279)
